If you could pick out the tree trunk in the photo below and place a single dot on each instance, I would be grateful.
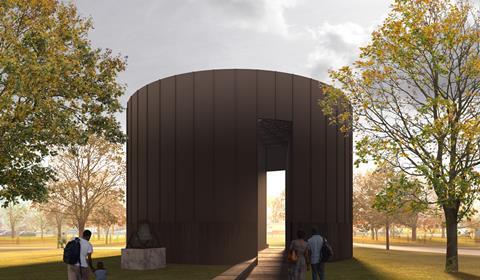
(12, 228)
(414, 233)
(112, 233)
(107, 230)
(451, 261)
(443, 231)
(59, 234)
(376, 234)
(372, 230)
(81, 228)
(387, 235)
(98, 232)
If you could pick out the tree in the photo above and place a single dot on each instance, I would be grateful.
(15, 215)
(55, 90)
(40, 222)
(109, 215)
(89, 175)
(55, 215)
(278, 208)
(414, 98)
(365, 215)
(406, 197)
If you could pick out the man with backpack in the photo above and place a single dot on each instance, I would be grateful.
(320, 252)
(78, 255)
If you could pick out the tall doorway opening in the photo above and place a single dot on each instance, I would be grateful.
(276, 208)
(273, 153)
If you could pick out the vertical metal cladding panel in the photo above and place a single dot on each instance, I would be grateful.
(134, 163)
(142, 153)
(331, 174)
(246, 157)
(167, 150)
(349, 164)
(224, 138)
(341, 177)
(153, 167)
(265, 95)
(262, 197)
(204, 149)
(184, 154)
(283, 96)
(301, 204)
(318, 156)
(129, 201)
(246, 125)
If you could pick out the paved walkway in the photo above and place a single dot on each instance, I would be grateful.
(438, 250)
(271, 265)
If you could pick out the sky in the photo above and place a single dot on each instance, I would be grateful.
(164, 37)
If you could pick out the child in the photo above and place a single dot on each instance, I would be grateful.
(100, 272)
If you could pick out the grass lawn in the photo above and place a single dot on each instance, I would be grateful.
(51, 241)
(382, 264)
(46, 264)
(463, 242)
(366, 264)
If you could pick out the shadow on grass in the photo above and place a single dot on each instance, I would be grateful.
(464, 276)
(58, 270)
(351, 269)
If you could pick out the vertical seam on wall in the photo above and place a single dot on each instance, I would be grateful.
(325, 181)
(310, 149)
(136, 165)
(336, 171)
(159, 135)
(211, 212)
(292, 154)
(148, 160)
(256, 154)
(175, 150)
(235, 145)
(345, 184)
(194, 153)
(275, 96)
(128, 176)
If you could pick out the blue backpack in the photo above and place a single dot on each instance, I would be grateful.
(71, 253)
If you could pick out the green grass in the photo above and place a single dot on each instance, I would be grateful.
(51, 241)
(366, 264)
(464, 242)
(46, 264)
(382, 264)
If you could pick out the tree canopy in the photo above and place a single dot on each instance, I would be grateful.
(56, 89)
(414, 98)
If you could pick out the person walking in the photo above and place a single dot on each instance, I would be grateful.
(315, 244)
(300, 265)
(81, 270)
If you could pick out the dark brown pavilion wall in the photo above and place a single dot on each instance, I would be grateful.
(319, 175)
(192, 163)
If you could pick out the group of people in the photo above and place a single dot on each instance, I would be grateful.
(84, 267)
(308, 254)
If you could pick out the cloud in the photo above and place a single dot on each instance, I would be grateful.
(335, 46)
(257, 15)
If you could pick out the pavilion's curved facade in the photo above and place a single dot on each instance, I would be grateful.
(199, 145)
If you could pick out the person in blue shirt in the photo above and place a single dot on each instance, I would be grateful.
(100, 272)
(315, 244)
